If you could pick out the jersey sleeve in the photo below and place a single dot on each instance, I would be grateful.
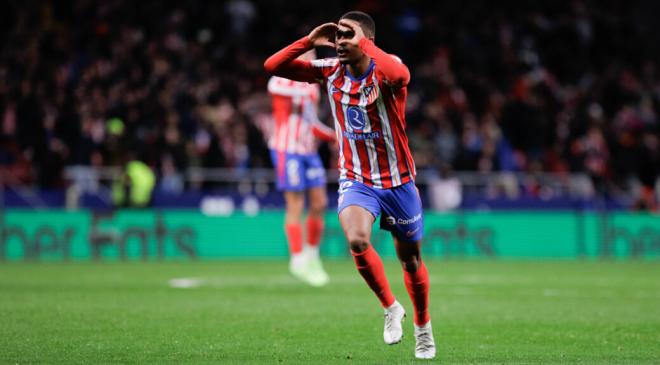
(395, 73)
(326, 66)
(285, 64)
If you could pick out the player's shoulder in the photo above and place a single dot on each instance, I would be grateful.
(396, 58)
(379, 73)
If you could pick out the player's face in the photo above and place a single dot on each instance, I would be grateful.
(347, 48)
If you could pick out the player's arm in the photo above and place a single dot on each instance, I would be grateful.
(285, 63)
(394, 72)
(319, 130)
(323, 132)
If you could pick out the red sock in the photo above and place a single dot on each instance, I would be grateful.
(314, 230)
(371, 268)
(417, 284)
(294, 237)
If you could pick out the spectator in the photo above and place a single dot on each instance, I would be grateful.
(524, 87)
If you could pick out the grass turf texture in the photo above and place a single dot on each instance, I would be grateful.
(253, 312)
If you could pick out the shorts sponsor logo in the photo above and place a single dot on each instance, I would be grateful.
(407, 221)
(390, 220)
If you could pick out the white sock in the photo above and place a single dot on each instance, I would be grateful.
(297, 260)
(395, 304)
(312, 251)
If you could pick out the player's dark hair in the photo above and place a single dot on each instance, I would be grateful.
(366, 22)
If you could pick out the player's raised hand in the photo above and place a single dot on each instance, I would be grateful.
(323, 35)
(354, 28)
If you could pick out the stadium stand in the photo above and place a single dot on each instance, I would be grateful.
(542, 88)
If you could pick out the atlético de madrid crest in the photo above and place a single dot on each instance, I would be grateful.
(371, 93)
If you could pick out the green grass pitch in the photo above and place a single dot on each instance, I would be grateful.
(484, 312)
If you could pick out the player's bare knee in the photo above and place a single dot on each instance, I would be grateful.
(358, 246)
(410, 264)
(318, 207)
(358, 242)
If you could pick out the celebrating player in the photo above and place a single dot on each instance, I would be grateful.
(299, 169)
(367, 91)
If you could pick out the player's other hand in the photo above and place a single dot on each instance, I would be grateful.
(348, 28)
(323, 35)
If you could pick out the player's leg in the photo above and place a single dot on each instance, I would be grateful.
(294, 207)
(318, 202)
(289, 180)
(416, 278)
(403, 217)
(314, 180)
(357, 211)
(356, 221)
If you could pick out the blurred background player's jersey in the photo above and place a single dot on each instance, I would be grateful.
(293, 143)
(295, 115)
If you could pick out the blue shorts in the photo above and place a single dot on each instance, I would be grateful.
(297, 172)
(401, 207)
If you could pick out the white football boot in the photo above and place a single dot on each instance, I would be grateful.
(424, 344)
(392, 331)
(316, 276)
(298, 266)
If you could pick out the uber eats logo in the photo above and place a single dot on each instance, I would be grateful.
(644, 240)
(102, 238)
(460, 239)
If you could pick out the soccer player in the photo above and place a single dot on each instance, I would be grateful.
(299, 169)
(367, 93)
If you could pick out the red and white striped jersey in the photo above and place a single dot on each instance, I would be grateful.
(370, 125)
(369, 111)
(294, 112)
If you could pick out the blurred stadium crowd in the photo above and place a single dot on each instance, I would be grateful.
(561, 86)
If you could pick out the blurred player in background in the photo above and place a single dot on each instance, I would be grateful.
(299, 169)
(367, 90)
